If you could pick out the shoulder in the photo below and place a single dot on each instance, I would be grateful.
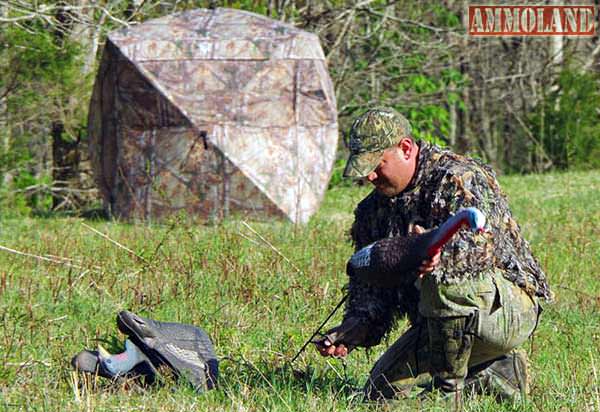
(457, 181)
(454, 171)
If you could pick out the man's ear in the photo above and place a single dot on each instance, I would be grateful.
(406, 147)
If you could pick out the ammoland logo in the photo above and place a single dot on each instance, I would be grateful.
(494, 20)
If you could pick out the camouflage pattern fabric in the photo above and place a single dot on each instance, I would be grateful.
(213, 112)
(450, 346)
(473, 347)
(370, 134)
(506, 377)
(443, 183)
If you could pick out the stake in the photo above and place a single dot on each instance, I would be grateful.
(319, 328)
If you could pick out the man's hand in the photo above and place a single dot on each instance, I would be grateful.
(428, 265)
(352, 332)
(326, 348)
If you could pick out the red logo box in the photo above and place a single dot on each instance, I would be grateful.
(532, 20)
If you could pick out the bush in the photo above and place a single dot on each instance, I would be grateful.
(567, 121)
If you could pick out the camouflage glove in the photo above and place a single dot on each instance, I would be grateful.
(351, 333)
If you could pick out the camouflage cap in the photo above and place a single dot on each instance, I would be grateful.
(370, 134)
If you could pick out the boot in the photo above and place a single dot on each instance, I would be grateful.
(506, 377)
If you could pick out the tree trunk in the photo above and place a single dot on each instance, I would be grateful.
(453, 117)
(65, 166)
(463, 141)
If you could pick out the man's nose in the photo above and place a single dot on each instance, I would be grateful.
(372, 176)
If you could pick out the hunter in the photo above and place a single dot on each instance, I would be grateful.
(471, 305)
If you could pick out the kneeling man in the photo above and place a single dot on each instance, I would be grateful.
(469, 306)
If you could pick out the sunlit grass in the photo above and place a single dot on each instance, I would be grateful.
(260, 299)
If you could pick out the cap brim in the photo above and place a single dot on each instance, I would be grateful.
(360, 165)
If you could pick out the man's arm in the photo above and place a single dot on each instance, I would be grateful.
(502, 246)
(466, 253)
(370, 311)
(369, 315)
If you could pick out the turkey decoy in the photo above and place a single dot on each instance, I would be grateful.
(390, 262)
(89, 361)
(185, 349)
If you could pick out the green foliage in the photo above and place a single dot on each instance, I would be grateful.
(337, 175)
(399, 78)
(42, 82)
(431, 121)
(13, 205)
(444, 17)
(260, 301)
(567, 121)
(259, 7)
(24, 192)
(36, 69)
(30, 189)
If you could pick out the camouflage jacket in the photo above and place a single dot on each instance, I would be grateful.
(443, 183)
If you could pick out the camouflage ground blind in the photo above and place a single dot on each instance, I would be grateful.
(213, 112)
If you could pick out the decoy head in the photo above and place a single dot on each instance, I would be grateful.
(131, 323)
(476, 219)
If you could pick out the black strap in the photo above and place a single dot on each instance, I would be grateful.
(318, 331)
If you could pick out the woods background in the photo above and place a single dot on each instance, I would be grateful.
(522, 104)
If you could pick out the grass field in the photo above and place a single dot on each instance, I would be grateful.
(259, 289)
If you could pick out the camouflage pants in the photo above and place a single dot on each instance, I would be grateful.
(480, 324)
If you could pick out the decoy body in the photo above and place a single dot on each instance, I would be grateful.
(185, 349)
(393, 261)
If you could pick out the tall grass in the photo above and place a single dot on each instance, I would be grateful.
(259, 289)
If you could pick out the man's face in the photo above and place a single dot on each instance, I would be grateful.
(393, 173)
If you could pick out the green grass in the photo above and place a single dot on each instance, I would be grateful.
(259, 302)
